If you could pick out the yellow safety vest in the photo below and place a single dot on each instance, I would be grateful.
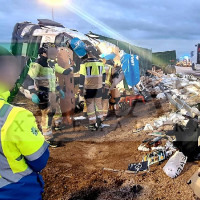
(20, 140)
(45, 74)
(93, 70)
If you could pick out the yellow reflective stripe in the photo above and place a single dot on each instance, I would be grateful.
(91, 113)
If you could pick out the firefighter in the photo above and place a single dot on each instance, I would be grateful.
(109, 64)
(42, 74)
(92, 79)
(23, 150)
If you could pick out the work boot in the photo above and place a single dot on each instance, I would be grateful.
(60, 127)
(99, 124)
(92, 127)
(53, 143)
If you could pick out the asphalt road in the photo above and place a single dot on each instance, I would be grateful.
(187, 70)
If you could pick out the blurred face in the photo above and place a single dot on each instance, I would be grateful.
(9, 71)
(52, 53)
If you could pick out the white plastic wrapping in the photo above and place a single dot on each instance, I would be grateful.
(175, 165)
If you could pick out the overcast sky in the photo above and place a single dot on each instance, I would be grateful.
(159, 25)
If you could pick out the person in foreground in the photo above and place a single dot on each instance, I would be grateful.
(23, 149)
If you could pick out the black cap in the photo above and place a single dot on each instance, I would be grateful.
(91, 49)
(42, 50)
(45, 47)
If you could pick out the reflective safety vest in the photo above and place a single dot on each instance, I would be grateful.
(20, 140)
(93, 70)
(45, 76)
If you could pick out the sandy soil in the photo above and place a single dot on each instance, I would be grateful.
(75, 170)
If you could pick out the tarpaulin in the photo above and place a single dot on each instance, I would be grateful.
(78, 47)
(130, 66)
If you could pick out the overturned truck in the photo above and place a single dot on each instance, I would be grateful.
(27, 38)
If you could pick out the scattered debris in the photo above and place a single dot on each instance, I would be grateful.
(137, 167)
(187, 138)
(105, 125)
(148, 127)
(138, 130)
(116, 170)
(157, 156)
(157, 134)
(175, 165)
(143, 148)
(161, 96)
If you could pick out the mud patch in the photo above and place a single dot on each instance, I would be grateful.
(126, 193)
(88, 194)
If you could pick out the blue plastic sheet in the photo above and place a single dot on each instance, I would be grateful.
(130, 66)
(108, 56)
(78, 46)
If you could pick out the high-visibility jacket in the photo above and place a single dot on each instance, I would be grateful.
(93, 70)
(21, 147)
(44, 74)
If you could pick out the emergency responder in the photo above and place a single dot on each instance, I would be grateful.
(92, 79)
(109, 64)
(23, 150)
(42, 74)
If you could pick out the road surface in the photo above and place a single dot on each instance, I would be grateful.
(187, 70)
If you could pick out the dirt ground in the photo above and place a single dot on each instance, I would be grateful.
(76, 171)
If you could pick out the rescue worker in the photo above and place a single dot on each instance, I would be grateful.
(92, 79)
(109, 64)
(42, 74)
(23, 149)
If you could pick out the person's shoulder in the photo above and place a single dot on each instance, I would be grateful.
(19, 116)
(92, 60)
(84, 61)
(19, 111)
(35, 64)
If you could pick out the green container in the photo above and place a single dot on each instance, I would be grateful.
(163, 59)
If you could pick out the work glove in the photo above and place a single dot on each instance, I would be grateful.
(62, 94)
(35, 99)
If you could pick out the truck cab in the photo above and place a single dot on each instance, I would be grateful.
(195, 58)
